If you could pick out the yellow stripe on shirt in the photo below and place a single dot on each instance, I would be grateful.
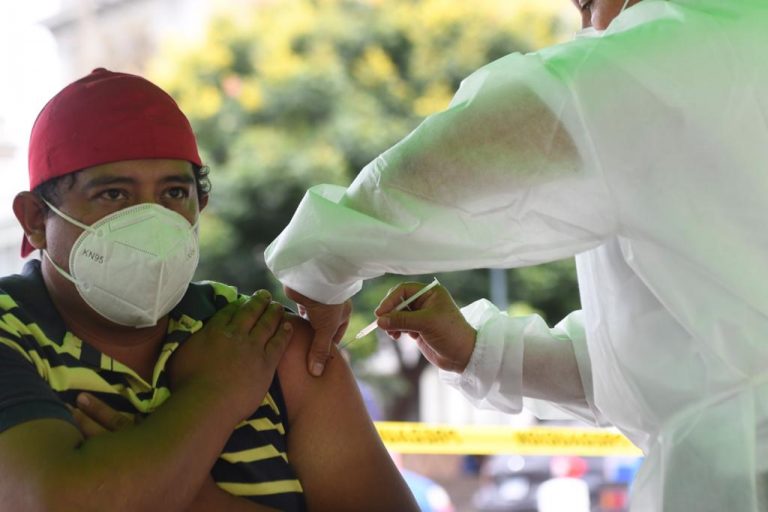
(260, 489)
(254, 454)
(263, 424)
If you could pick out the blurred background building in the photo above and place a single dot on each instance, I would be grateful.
(10, 233)
(121, 34)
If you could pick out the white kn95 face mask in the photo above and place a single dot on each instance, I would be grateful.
(134, 265)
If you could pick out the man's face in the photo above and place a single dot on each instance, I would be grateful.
(599, 13)
(99, 191)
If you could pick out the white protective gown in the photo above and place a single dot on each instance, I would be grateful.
(644, 152)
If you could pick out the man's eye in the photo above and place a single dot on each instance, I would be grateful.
(113, 194)
(178, 193)
(585, 5)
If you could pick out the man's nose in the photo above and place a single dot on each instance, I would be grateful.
(147, 195)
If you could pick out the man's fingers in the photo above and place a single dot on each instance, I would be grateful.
(101, 413)
(87, 426)
(249, 313)
(278, 342)
(269, 322)
(223, 316)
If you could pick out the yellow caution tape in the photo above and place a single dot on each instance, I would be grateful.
(407, 437)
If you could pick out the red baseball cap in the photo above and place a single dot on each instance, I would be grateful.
(102, 118)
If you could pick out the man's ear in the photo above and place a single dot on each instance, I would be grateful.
(203, 202)
(31, 213)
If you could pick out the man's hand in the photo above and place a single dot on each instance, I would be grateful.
(94, 417)
(441, 332)
(236, 354)
(329, 321)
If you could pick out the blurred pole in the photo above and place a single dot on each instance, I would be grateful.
(499, 296)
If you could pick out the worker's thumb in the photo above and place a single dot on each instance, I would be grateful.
(319, 351)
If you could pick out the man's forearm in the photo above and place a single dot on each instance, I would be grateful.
(157, 465)
(211, 497)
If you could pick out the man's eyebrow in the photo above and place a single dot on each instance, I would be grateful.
(101, 181)
(179, 178)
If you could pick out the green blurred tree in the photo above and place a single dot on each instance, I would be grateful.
(287, 94)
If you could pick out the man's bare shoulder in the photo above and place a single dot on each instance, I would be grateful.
(331, 433)
(298, 385)
(296, 352)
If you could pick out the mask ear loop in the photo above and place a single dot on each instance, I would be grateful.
(60, 270)
(68, 218)
(75, 222)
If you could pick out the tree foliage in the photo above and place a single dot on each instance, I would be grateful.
(287, 94)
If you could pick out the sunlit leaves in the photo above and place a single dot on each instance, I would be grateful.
(284, 94)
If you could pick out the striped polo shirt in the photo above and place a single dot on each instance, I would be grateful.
(43, 367)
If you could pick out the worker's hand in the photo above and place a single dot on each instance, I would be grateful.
(94, 417)
(330, 322)
(441, 332)
(235, 354)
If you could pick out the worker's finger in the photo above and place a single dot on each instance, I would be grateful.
(395, 335)
(346, 313)
(329, 322)
(319, 351)
(340, 333)
(406, 321)
(397, 295)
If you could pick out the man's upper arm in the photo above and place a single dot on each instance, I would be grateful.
(35, 428)
(24, 395)
(332, 443)
(28, 451)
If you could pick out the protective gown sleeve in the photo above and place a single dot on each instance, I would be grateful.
(521, 356)
(505, 177)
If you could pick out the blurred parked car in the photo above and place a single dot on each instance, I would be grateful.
(430, 495)
(512, 482)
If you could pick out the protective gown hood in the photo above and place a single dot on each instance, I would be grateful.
(644, 153)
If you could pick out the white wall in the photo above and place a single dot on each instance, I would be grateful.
(121, 35)
(12, 182)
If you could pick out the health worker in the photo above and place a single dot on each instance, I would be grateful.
(640, 148)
